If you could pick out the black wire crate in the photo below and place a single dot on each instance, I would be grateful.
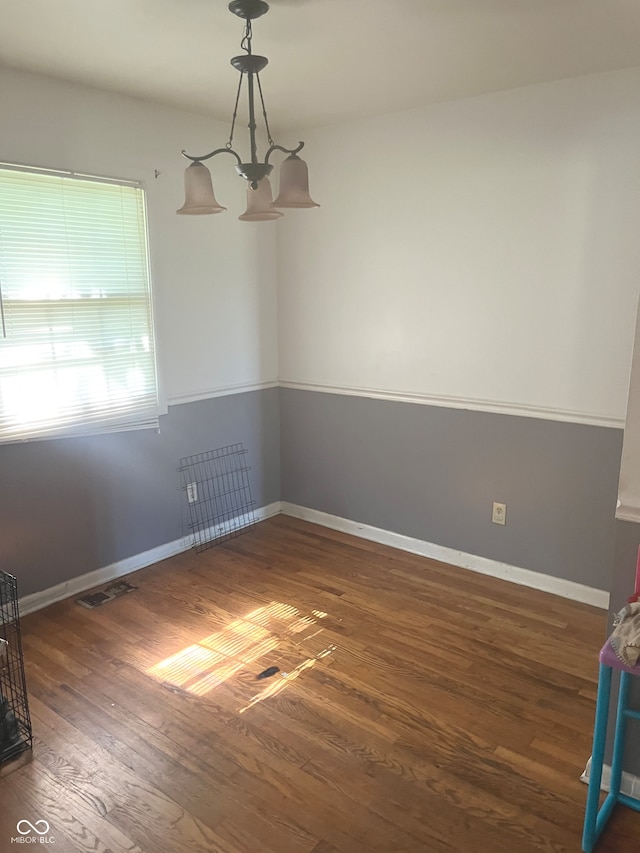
(217, 493)
(15, 722)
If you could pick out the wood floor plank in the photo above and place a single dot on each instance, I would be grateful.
(417, 707)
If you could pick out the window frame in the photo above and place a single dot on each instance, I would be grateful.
(99, 420)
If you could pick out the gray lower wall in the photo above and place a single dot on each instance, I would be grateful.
(71, 506)
(433, 473)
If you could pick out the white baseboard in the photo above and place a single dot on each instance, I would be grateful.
(74, 586)
(629, 785)
(482, 565)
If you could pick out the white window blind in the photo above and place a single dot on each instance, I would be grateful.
(77, 348)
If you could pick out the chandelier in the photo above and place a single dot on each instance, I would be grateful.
(294, 176)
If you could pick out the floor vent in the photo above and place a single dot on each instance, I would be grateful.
(114, 590)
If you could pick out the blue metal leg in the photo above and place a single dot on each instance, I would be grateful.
(594, 822)
(620, 730)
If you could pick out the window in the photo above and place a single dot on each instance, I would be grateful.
(77, 348)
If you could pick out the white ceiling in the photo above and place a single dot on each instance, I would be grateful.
(330, 60)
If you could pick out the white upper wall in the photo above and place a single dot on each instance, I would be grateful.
(213, 277)
(479, 253)
(482, 252)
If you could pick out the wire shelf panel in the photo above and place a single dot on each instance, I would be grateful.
(217, 492)
(15, 721)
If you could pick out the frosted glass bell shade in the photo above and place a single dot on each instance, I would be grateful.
(198, 192)
(294, 184)
(259, 203)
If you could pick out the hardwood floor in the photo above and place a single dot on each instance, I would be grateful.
(417, 707)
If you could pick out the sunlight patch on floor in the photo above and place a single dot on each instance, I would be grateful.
(205, 665)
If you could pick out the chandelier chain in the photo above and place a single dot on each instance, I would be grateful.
(245, 44)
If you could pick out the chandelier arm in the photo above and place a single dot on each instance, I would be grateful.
(235, 111)
(211, 154)
(264, 111)
(252, 120)
(281, 148)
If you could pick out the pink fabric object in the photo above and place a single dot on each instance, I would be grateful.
(609, 657)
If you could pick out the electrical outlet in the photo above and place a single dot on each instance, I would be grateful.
(499, 514)
(192, 492)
